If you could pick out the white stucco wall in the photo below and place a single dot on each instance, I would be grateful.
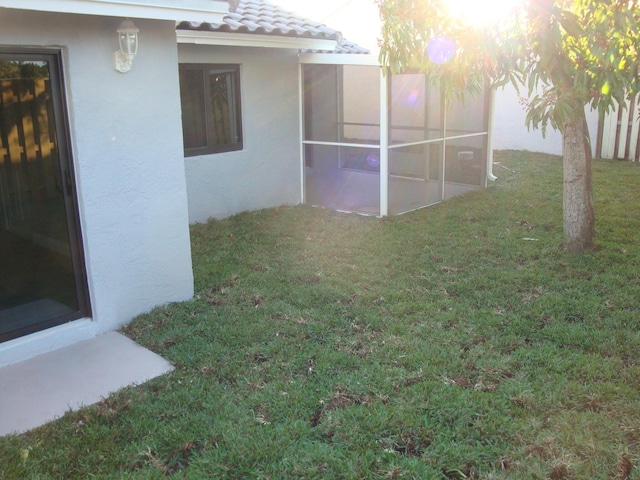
(266, 172)
(128, 160)
(510, 131)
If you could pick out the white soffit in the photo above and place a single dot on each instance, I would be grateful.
(212, 11)
(198, 37)
(339, 59)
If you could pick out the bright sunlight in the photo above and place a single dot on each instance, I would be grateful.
(482, 13)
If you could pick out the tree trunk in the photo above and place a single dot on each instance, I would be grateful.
(578, 215)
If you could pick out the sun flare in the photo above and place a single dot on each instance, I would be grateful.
(482, 13)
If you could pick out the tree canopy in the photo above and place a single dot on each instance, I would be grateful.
(567, 54)
(582, 52)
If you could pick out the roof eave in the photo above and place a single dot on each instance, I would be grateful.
(197, 37)
(176, 10)
(340, 59)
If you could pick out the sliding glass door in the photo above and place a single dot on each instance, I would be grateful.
(42, 278)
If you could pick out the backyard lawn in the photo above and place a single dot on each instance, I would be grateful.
(457, 342)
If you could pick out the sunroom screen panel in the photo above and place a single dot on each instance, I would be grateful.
(415, 110)
(416, 132)
(360, 88)
(465, 160)
(343, 178)
(321, 110)
(415, 177)
(468, 116)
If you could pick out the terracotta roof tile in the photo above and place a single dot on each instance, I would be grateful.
(263, 18)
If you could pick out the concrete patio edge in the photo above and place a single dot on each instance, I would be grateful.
(43, 388)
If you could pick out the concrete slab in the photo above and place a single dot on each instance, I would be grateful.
(43, 388)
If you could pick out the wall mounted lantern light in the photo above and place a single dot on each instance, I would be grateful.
(128, 39)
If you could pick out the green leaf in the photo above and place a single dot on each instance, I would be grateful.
(622, 64)
(587, 49)
(571, 23)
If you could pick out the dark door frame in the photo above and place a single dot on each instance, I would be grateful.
(53, 56)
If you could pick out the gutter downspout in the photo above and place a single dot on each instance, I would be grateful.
(385, 76)
(492, 99)
(301, 133)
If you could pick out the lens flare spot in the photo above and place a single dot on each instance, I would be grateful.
(412, 98)
(441, 49)
(373, 160)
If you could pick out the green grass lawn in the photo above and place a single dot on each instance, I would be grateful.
(458, 341)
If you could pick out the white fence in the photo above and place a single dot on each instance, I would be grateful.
(619, 136)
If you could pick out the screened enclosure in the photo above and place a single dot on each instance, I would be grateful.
(386, 144)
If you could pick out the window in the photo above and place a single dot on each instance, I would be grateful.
(211, 115)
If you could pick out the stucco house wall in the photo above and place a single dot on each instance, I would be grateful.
(126, 142)
(510, 131)
(266, 172)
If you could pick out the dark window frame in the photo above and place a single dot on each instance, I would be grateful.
(210, 145)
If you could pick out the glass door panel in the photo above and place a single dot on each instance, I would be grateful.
(41, 271)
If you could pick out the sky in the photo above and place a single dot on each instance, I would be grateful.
(358, 20)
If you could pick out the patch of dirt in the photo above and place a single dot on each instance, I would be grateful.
(257, 300)
(259, 358)
(229, 282)
(340, 399)
(412, 443)
(217, 294)
(261, 412)
(523, 401)
(169, 343)
(110, 407)
(526, 224)
(357, 348)
(512, 347)
(463, 382)
(449, 270)
(560, 471)
(258, 268)
(177, 459)
(544, 450)
(530, 294)
(312, 279)
(487, 380)
(507, 464)
(408, 382)
(624, 467)
(361, 345)
(465, 473)
(217, 300)
(474, 343)
(592, 404)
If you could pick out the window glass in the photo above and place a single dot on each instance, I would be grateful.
(42, 276)
(193, 111)
(222, 91)
(211, 115)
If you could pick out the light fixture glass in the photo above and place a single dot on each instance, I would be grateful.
(128, 39)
